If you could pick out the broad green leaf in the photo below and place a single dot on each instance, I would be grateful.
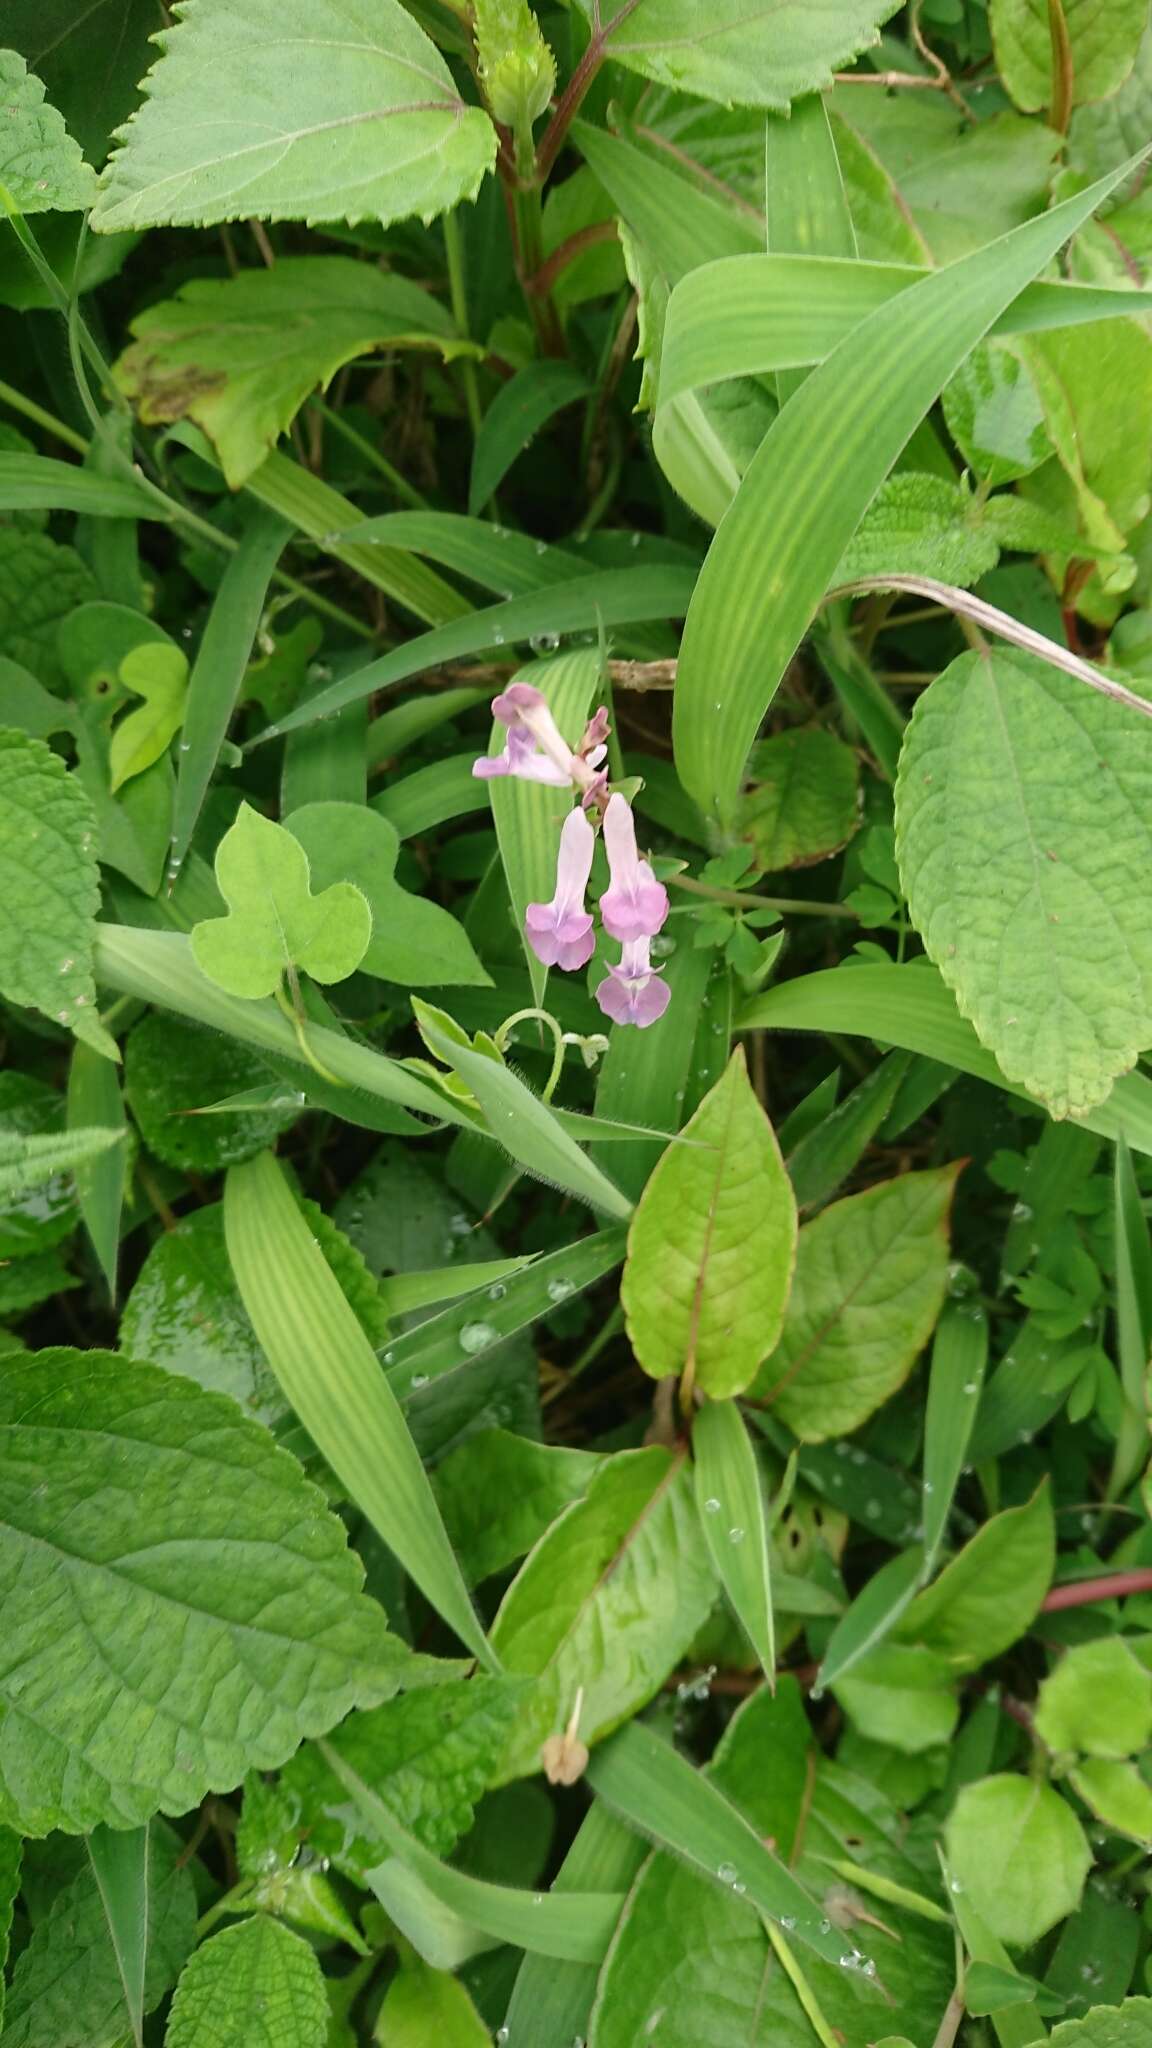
(185, 1314)
(89, 60)
(1115, 2026)
(159, 674)
(755, 57)
(1015, 771)
(42, 1213)
(528, 816)
(900, 1697)
(995, 416)
(712, 1245)
(1103, 135)
(332, 1379)
(187, 1527)
(172, 1071)
(275, 922)
(871, 1273)
(805, 204)
(499, 1493)
(955, 1383)
(1102, 46)
(423, 2005)
(41, 582)
(1107, 485)
(741, 631)
(107, 1951)
(910, 1006)
(920, 526)
(803, 803)
(1016, 1849)
(606, 1604)
(519, 410)
(11, 1851)
(414, 941)
(659, 1078)
(95, 1102)
(49, 889)
(31, 1161)
(239, 355)
(1117, 1795)
(318, 114)
(256, 1983)
(431, 1753)
(41, 168)
(989, 1595)
(730, 1498)
(1097, 1701)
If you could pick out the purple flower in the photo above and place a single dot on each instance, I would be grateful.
(635, 904)
(536, 750)
(560, 932)
(633, 992)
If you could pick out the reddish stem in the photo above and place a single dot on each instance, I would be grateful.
(1085, 1592)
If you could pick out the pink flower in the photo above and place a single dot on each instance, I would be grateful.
(633, 992)
(536, 750)
(560, 932)
(635, 904)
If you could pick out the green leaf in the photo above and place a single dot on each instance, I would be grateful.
(49, 889)
(111, 1944)
(44, 1213)
(239, 355)
(995, 416)
(1117, 1795)
(257, 1985)
(35, 482)
(41, 583)
(989, 1595)
(606, 1604)
(872, 1616)
(919, 526)
(274, 920)
(871, 1273)
(31, 1161)
(712, 1245)
(1098, 1701)
(159, 674)
(172, 1071)
(803, 804)
(1102, 46)
(754, 57)
(11, 1850)
(316, 116)
(499, 1493)
(989, 1990)
(517, 67)
(332, 1379)
(1018, 1852)
(186, 1526)
(89, 61)
(1117, 2026)
(185, 1314)
(956, 1380)
(742, 630)
(519, 410)
(95, 1103)
(730, 1498)
(1012, 769)
(414, 942)
(422, 2005)
(432, 1752)
(41, 168)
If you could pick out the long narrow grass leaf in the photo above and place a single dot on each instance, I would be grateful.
(730, 1498)
(955, 1383)
(94, 1099)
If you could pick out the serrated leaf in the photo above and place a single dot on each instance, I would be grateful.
(1021, 816)
(239, 355)
(803, 803)
(1113, 2026)
(275, 922)
(871, 1273)
(712, 1245)
(1102, 46)
(919, 526)
(159, 674)
(1097, 1701)
(754, 56)
(49, 889)
(414, 942)
(188, 1529)
(607, 1602)
(989, 1594)
(41, 168)
(318, 113)
(31, 1161)
(69, 1988)
(172, 1071)
(256, 1985)
(1016, 1849)
(41, 582)
(431, 1753)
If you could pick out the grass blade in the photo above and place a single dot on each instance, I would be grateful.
(495, 557)
(1133, 1255)
(120, 1866)
(873, 1614)
(860, 406)
(94, 1098)
(520, 408)
(36, 483)
(432, 796)
(333, 1380)
(959, 1360)
(730, 1499)
(550, 2006)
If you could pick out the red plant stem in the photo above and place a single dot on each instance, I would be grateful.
(1084, 1592)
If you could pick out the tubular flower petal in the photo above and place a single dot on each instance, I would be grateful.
(535, 749)
(635, 904)
(633, 992)
(560, 932)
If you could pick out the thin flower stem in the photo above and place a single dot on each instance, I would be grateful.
(1085, 1592)
(742, 899)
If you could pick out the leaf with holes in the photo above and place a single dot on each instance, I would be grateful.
(1015, 771)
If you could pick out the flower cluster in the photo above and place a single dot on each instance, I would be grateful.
(634, 905)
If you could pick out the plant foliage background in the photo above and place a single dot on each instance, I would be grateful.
(575, 956)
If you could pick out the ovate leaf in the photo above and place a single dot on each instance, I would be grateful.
(606, 1604)
(1117, 1794)
(159, 674)
(1017, 1850)
(1113, 2026)
(803, 804)
(871, 1273)
(756, 56)
(995, 416)
(1021, 816)
(49, 889)
(414, 942)
(498, 1493)
(256, 1985)
(1102, 46)
(1098, 1700)
(423, 2005)
(991, 1593)
(239, 355)
(138, 1508)
(319, 112)
(712, 1244)
(274, 921)
(41, 168)
(919, 526)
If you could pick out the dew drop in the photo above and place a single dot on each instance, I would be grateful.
(727, 1873)
(419, 1379)
(736, 1535)
(1021, 1212)
(712, 1505)
(476, 1337)
(559, 1289)
(497, 1291)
